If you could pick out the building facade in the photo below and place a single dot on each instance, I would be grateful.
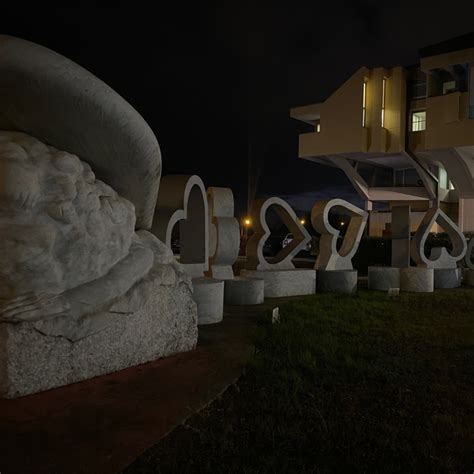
(403, 135)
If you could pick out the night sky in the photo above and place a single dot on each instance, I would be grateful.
(215, 82)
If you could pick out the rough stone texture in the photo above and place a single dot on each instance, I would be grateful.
(224, 233)
(447, 278)
(209, 296)
(244, 291)
(439, 256)
(60, 226)
(330, 258)
(254, 250)
(156, 318)
(417, 279)
(182, 199)
(337, 281)
(383, 278)
(278, 283)
(469, 277)
(52, 98)
(401, 226)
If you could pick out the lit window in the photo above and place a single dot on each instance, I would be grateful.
(364, 103)
(384, 85)
(448, 87)
(317, 126)
(418, 121)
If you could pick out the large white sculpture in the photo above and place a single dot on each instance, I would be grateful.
(283, 259)
(439, 256)
(81, 292)
(329, 257)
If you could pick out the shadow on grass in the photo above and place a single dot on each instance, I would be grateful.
(342, 384)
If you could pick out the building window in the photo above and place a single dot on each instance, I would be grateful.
(317, 125)
(449, 86)
(418, 121)
(364, 103)
(384, 86)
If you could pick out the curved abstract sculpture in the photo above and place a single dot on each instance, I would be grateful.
(469, 259)
(57, 101)
(283, 259)
(329, 257)
(183, 199)
(439, 256)
(224, 233)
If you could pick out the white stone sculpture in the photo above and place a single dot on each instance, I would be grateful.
(283, 259)
(439, 256)
(329, 257)
(401, 226)
(224, 233)
(182, 200)
(57, 101)
(78, 285)
(280, 276)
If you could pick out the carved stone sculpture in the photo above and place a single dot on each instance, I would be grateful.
(439, 256)
(329, 257)
(283, 259)
(182, 200)
(224, 233)
(54, 99)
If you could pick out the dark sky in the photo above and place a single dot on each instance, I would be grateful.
(215, 82)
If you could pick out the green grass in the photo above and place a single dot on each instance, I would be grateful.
(362, 384)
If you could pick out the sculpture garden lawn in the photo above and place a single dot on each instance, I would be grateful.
(342, 384)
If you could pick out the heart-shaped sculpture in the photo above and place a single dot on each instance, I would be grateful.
(224, 233)
(254, 249)
(439, 256)
(183, 199)
(469, 259)
(329, 257)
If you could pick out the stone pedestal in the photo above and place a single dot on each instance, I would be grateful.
(209, 296)
(469, 277)
(278, 283)
(241, 291)
(383, 278)
(337, 281)
(447, 277)
(417, 279)
(152, 320)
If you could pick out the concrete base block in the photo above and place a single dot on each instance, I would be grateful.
(278, 283)
(383, 278)
(417, 279)
(469, 277)
(244, 291)
(337, 281)
(151, 321)
(209, 296)
(447, 277)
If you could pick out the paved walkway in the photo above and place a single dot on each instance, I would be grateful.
(101, 425)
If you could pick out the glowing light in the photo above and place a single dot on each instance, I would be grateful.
(302, 222)
(384, 85)
(364, 102)
(247, 221)
(342, 223)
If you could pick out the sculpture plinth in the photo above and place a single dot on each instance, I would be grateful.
(337, 281)
(383, 278)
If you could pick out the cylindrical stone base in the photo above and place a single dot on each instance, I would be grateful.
(244, 291)
(209, 296)
(278, 283)
(337, 281)
(417, 279)
(447, 277)
(469, 277)
(383, 278)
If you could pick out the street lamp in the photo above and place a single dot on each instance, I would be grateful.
(302, 221)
